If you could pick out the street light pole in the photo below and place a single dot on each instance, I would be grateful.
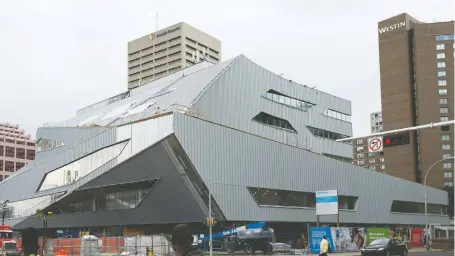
(426, 202)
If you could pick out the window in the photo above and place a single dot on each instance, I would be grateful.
(442, 91)
(382, 167)
(72, 172)
(445, 128)
(448, 174)
(19, 142)
(448, 184)
(418, 208)
(30, 154)
(444, 118)
(381, 159)
(443, 101)
(442, 82)
(288, 101)
(372, 161)
(445, 37)
(372, 153)
(361, 162)
(445, 137)
(447, 165)
(443, 110)
(31, 144)
(28, 207)
(372, 167)
(20, 153)
(441, 64)
(286, 198)
(359, 142)
(440, 55)
(9, 166)
(359, 149)
(446, 156)
(19, 165)
(1, 165)
(340, 158)
(440, 47)
(360, 155)
(9, 151)
(446, 146)
(337, 115)
(1, 150)
(267, 119)
(326, 134)
(46, 144)
(442, 73)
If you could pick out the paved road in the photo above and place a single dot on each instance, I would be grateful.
(431, 254)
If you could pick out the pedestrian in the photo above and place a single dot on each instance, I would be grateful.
(324, 246)
(182, 241)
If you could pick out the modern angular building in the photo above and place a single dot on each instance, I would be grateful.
(258, 142)
(417, 88)
(169, 50)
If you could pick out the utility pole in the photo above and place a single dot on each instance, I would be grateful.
(210, 218)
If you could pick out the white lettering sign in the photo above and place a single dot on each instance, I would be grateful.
(392, 27)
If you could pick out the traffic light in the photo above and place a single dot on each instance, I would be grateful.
(396, 140)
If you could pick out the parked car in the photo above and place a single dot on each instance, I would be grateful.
(386, 247)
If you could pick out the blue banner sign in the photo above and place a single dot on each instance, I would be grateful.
(327, 202)
(316, 235)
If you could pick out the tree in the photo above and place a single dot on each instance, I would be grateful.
(450, 191)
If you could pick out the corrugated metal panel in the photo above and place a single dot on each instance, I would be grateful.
(23, 184)
(236, 97)
(170, 200)
(229, 160)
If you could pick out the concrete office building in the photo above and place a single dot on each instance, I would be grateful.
(417, 87)
(16, 149)
(147, 159)
(167, 51)
(361, 156)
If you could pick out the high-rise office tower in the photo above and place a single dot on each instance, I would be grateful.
(169, 50)
(376, 122)
(417, 87)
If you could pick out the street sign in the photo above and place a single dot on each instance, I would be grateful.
(327, 202)
(375, 144)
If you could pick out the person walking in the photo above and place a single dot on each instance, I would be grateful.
(182, 241)
(324, 246)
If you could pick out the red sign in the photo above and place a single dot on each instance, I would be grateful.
(416, 236)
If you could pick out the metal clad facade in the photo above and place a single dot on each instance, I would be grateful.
(169, 201)
(237, 96)
(229, 160)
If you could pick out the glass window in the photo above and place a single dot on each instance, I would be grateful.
(381, 159)
(443, 110)
(447, 165)
(441, 64)
(359, 149)
(440, 47)
(360, 156)
(286, 100)
(445, 156)
(446, 146)
(9, 166)
(445, 37)
(267, 119)
(337, 115)
(443, 101)
(441, 55)
(442, 91)
(330, 135)
(418, 208)
(359, 142)
(448, 184)
(444, 118)
(442, 73)
(361, 162)
(9, 151)
(372, 167)
(445, 137)
(442, 82)
(448, 174)
(28, 207)
(30, 154)
(372, 161)
(74, 171)
(382, 167)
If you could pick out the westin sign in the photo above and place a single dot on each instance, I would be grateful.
(392, 27)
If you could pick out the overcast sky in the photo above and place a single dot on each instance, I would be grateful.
(59, 56)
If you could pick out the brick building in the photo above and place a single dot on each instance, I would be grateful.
(16, 149)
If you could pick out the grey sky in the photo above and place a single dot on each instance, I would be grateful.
(59, 56)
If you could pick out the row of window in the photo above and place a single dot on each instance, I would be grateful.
(326, 134)
(414, 207)
(288, 101)
(10, 166)
(337, 115)
(20, 153)
(340, 158)
(448, 174)
(19, 142)
(286, 198)
(442, 46)
(267, 119)
(28, 207)
(445, 37)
